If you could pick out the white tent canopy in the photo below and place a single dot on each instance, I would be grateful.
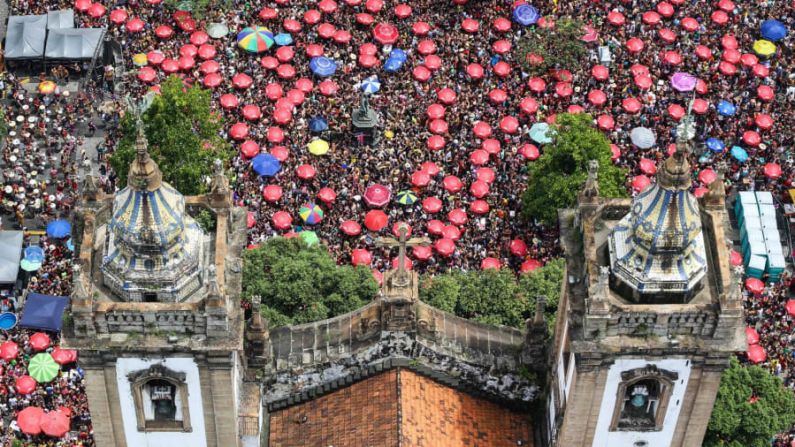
(10, 254)
(25, 37)
(73, 43)
(64, 18)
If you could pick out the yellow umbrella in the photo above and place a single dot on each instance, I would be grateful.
(47, 87)
(389, 134)
(764, 47)
(140, 59)
(318, 147)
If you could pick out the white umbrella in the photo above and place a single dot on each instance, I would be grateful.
(642, 137)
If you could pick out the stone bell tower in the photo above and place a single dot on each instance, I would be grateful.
(650, 314)
(156, 314)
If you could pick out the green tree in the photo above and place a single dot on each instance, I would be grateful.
(300, 284)
(197, 8)
(560, 172)
(184, 137)
(751, 407)
(546, 281)
(560, 47)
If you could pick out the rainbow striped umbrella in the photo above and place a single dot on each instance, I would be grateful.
(311, 213)
(255, 39)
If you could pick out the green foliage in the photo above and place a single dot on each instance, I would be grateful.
(197, 8)
(495, 297)
(183, 136)
(3, 124)
(206, 219)
(737, 421)
(560, 47)
(299, 284)
(560, 172)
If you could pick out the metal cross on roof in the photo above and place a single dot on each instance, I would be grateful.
(402, 278)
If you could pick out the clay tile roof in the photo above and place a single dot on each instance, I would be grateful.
(398, 404)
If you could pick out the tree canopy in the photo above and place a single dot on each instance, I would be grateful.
(751, 407)
(299, 284)
(541, 48)
(495, 297)
(555, 178)
(183, 135)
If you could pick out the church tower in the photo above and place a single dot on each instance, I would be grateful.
(650, 314)
(156, 315)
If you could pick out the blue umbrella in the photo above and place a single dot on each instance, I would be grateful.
(392, 65)
(266, 165)
(322, 66)
(371, 85)
(525, 15)
(541, 133)
(715, 145)
(59, 228)
(726, 108)
(34, 253)
(773, 30)
(739, 154)
(318, 124)
(283, 39)
(70, 245)
(398, 54)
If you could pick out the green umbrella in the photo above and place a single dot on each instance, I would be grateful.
(406, 197)
(309, 237)
(30, 266)
(43, 368)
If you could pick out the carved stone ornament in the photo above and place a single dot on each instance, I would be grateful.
(158, 372)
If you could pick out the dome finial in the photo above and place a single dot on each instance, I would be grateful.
(144, 173)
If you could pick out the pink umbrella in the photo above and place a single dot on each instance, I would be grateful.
(615, 18)
(672, 57)
(360, 256)
(282, 220)
(763, 121)
(377, 195)
(96, 10)
(147, 74)
(435, 227)
(285, 71)
(269, 62)
(420, 28)
(700, 106)
(275, 135)
(564, 89)
(385, 33)
(631, 105)
(470, 25)
(479, 189)
(446, 96)
(118, 16)
(187, 63)
(676, 111)
(772, 170)
(326, 30)
(665, 9)
(605, 122)
(736, 258)
(305, 172)
(327, 195)
(374, 6)
(312, 16)
(647, 166)
(635, 45)
(615, 152)
(164, 31)
(368, 61)
(328, 87)
(342, 37)
(351, 228)
(707, 176)
(25, 385)
(765, 93)
(426, 47)
(700, 191)
(285, 54)
(475, 71)
(242, 81)
(640, 183)
(481, 129)
(457, 217)
(719, 18)
(228, 101)
(421, 73)
(365, 19)
(438, 126)
(651, 18)
(790, 306)
(502, 69)
(703, 52)
(485, 175)
(435, 142)
(314, 50)
(537, 85)
(250, 220)
(267, 14)
(422, 253)
(726, 5)
(731, 56)
(430, 167)
(751, 138)
(528, 105)
(327, 6)
(498, 96)
(208, 67)
(452, 183)
(760, 71)
(251, 112)
(396, 228)
(689, 24)
(529, 151)
(296, 96)
(280, 152)
(727, 68)
(368, 48)
(420, 178)
(402, 11)
(249, 149)
(501, 46)
(756, 354)
(30, 419)
(272, 193)
(509, 125)
(378, 276)
(597, 97)
(479, 207)
(444, 247)
(643, 82)
(274, 91)
(135, 25)
(431, 205)
(749, 60)
(238, 131)
(433, 62)
(729, 42)
(600, 72)
(501, 25)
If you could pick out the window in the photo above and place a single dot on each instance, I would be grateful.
(150, 297)
(642, 399)
(161, 399)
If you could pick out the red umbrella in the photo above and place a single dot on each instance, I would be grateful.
(199, 38)
(435, 226)
(457, 217)
(481, 129)
(164, 31)
(327, 195)
(242, 81)
(631, 105)
(377, 195)
(760, 71)
(296, 96)
(731, 56)
(452, 183)
(479, 207)
(29, 420)
(615, 152)
(605, 122)
(431, 205)
(385, 33)
(82, 5)
(285, 71)
(275, 135)
(640, 183)
(422, 253)
(563, 89)
(375, 220)
(491, 146)
(470, 25)
(188, 50)
(720, 18)
(228, 101)
(368, 61)
(790, 306)
(39, 341)
(754, 285)
(282, 220)
(402, 11)
(643, 82)
(672, 57)
(490, 263)
(700, 106)
(707, 176)
(272, 193)
(285, 54)
(689, 24)
(749, 60)
(435, 143)
(326, 30)
(267, 13)
(327, 6)
(63, 356)
(305, 172)
(312, 17)
(772, 170)
(756, 354)
(274, 91)
(530, 265)
(647, 166)
(365, 19)
(501, 46)
(378, 276)
(407, 263)
(55, 424)
(96, 10)
(426, 47)
(537, 85)
(676, 111)
(280, 152)
(135, 25)
(147, 74)
(374, 6)
(765, 92)
(251, 112)
(498, 96)
(615, 18)
(651, 18)
(420, 178)
(729, 42)
(269, 62)
(665, 9)
(751, 138)
(703, 52)
(763, 121)
(479, 189)
(751, 336)
(430, 167)
(501, 25)
(529, 151)
(169, 66)
(438, 126)
(420, 28)
(314, 50)
(342, 36)
(446, 96)
(118, 16)
(600, 72)
(528, 105)
(250, 220)
(435, 111)
(444, 247)
(433, 62)
(726, 5)
(328, 87)
(700, 191)
(351, 228)
(736, 258)
(360, 256)
(421, 73)
(597, 97)
(502, 69)
(25, 385)
(475, 71)
(727, 68)
(187, 63)
(635, 45)
(396, 228)
(208, 67)
(518, 247)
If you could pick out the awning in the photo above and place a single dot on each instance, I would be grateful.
(65, 18)
(43, 312)
(10, 254)
(73, 43)
(25, 37)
